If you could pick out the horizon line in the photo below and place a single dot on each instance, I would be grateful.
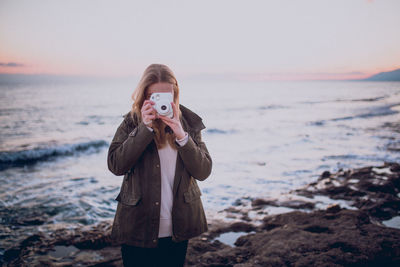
(291, 76)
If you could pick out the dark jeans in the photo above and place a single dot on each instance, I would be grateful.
(167, 253)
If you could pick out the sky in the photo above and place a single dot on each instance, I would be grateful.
(309, 39)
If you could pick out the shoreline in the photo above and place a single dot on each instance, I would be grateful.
(353, 231)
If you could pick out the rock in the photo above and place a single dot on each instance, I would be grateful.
(320, 238)
(297, 204)
(325, 174)
(80, 247)
(332, 237)
(263, 202)
(374, 190)
(333, 208)
(294, 204)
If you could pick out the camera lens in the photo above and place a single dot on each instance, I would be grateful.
(163, 107)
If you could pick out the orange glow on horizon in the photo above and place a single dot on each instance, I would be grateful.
(250, 77)
(79, 70)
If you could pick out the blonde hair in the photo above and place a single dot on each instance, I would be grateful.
(156, 73)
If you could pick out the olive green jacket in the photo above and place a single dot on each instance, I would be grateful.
(133, 153)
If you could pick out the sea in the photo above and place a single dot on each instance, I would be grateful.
(265, 138)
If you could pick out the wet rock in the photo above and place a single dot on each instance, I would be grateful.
(294, 204)
(333, 208)
(14, 252)
(298, 204)
(325, 174)
(240, 201)
(332, 237)
(84, 246)
(11, 216)
(232, 210)
(374, 190)
(263, 202)
(320, 238)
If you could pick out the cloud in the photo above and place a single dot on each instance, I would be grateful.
(11, 64)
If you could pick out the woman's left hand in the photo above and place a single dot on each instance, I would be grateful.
(174, 123)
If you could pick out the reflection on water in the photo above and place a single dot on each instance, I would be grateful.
(230, 238)
(62, 251)
(394, 222)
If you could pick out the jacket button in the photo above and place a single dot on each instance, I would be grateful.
(154, 240)
(158, 166)
(157, 203)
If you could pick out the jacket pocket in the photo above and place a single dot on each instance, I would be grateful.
(129, 193)
(192, 194)
(128, 199)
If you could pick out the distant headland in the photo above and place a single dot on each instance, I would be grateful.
(389, 76)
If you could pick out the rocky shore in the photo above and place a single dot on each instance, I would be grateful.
(361, 229)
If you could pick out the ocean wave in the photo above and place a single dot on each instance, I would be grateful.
(271, 107)
(341, 157)
(263, 107)
(355, 157)
(220, 131)
(393, 146)
(317, 123)
(375, 112)
(370, 99)
(92, 119)
(36, 154)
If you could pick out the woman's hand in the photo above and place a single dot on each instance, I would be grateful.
(148, 113)
(174, 123)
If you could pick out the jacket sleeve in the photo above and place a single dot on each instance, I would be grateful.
(195, 157)
(126, 148)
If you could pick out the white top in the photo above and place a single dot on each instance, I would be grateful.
(168, 157)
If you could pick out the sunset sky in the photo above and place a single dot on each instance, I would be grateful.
(256, 39)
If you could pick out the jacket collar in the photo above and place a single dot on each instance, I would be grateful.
(193, 121)
(190, 120)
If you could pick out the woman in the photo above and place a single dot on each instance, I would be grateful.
(159, 206)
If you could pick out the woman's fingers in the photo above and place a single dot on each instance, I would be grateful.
(148, 103)
(175, 109)
(164, 118)
(175, 125)
(150, 117)
(148, 112)
(148, 108)
(167, 121)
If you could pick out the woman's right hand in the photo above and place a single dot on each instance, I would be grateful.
(148, 112)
